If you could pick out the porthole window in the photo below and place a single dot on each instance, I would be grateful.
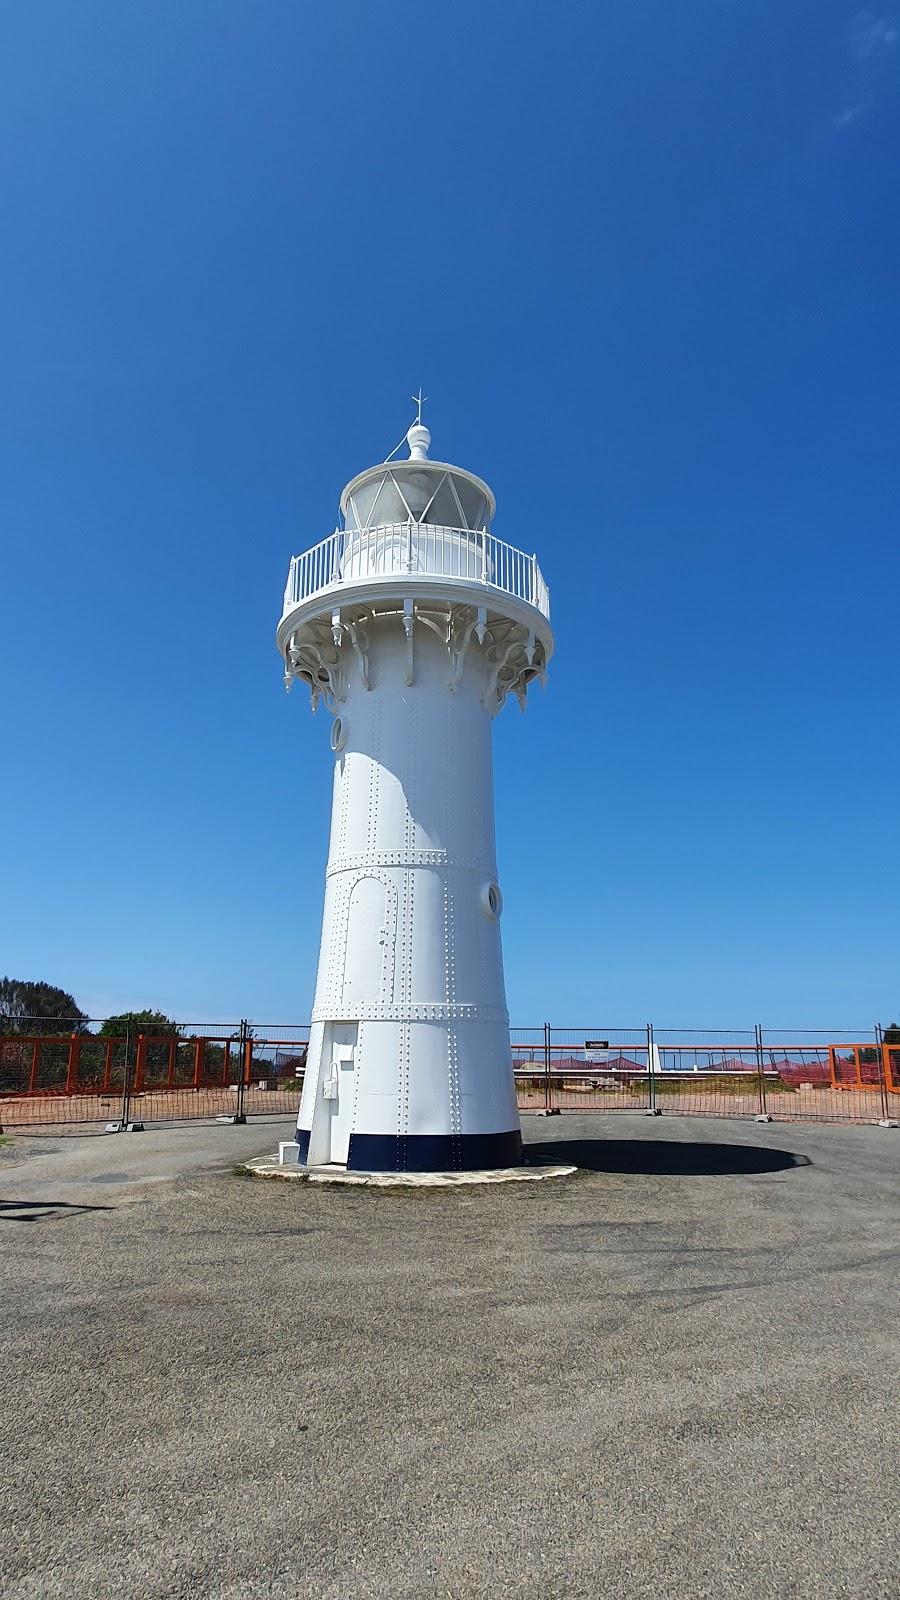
(491, 901)
(338, 734)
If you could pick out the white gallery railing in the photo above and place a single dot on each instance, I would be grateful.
(422, 549)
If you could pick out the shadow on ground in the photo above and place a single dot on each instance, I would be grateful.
(40, 1210)
(663, 1157)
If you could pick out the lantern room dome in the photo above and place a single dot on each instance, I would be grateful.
(418, 490)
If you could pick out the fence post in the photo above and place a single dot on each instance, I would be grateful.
(248, 1057)
(126, 1077)
(548, 1090)
(760, 1071)
(199, 1052)
(651, 1074)
(140, 1062)
(35, 1067)
(240, 1115)
(107, 1064)
(73, 1064)
(890, 1069)
(882, 1075)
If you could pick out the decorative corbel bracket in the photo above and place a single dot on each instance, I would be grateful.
(359, 639)
(458, 645)
(494, 686)
(308, 658)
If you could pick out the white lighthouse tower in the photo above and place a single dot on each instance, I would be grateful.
(412, 623)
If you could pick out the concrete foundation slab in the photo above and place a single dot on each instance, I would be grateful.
(272, 1167)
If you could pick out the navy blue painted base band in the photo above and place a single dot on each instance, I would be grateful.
(301, 1137)
(433, 1152)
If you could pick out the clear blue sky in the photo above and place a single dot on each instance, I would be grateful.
(644, 259)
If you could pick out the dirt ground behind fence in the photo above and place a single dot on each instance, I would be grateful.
(564, 1095)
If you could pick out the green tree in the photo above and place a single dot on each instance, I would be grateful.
(38, 1008)
(892, 1034)
(152, 1024)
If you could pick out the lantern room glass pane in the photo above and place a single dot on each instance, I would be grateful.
(416, 485)
(361, 502)
(377, 502)
(472, 501)
(443, 509)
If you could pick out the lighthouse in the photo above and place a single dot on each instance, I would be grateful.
(412, 624)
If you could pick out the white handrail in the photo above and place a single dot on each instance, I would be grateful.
(422, 549)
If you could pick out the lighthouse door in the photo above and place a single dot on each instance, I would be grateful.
(339, 1087)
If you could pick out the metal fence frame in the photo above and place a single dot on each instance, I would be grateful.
(203, 1071)
(231, 1071)
(826, 1075)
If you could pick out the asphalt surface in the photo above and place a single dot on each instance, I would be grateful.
(673, 1375)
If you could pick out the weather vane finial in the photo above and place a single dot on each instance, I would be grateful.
(418, 401)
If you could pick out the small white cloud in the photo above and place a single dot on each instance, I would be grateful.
(849, 115)
(869, 33)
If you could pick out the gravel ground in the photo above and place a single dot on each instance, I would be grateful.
(672, 1375)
